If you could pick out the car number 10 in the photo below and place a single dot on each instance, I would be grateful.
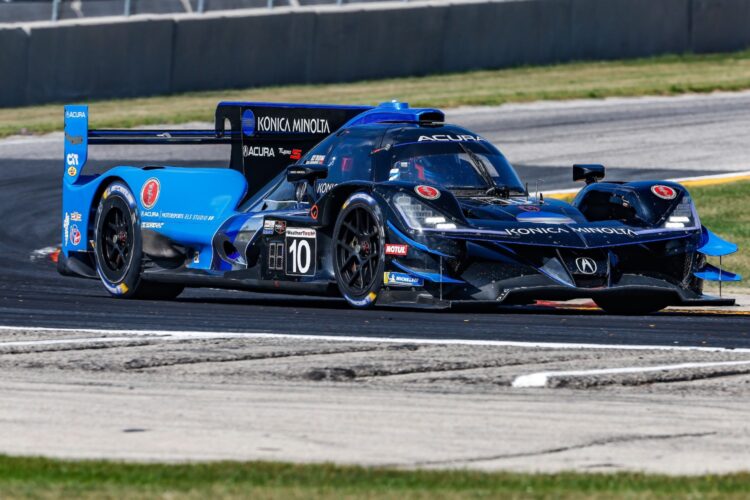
(301, 252)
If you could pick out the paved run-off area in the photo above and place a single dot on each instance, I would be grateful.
(405, 404)
(153, 395)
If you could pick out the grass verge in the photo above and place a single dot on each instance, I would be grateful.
(48, 478)
(663, 75)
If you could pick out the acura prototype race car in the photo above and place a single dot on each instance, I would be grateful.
(384, 205)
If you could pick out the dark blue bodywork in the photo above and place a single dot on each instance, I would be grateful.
(223, 227)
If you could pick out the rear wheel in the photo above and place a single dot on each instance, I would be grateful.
(117, 248)
(631, 306)
(358, 257)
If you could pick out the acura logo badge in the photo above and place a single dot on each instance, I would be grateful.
(586, 265)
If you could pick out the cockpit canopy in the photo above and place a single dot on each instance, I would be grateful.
(446, 156)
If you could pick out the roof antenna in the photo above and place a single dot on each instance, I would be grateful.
(527, 192)
(539, 198)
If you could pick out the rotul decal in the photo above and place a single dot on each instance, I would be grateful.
(259, 151)
(395, 249)
(150, 193)
(281, 124)
(664, 192)
(75, 114)
(449, 138)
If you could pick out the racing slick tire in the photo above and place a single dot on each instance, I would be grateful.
(359, 250)
(630, 305)
(118, 248)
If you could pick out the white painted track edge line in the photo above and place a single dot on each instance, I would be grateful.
(384, 340)
(541, 379)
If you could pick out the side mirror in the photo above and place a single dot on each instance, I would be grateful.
(309, 173)
(588, 173)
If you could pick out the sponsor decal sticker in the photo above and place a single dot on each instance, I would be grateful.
(394, 249)
(401, 279)
(74, 139)
(150, 193)
(282, 124)
(585, 265)
(368, 299)
(427, 192)
(71, 159)
(324, 187)
(525, 231)
(279, 227)
(316, 160)
(449, 138)
(529, 208)
(75, 114)
(72, 171)
(75, 217)
(66, 227)
(300, 232)
(268, 226)
(258, 151)
(75, 235)
(314, 212)
(152, 225)
(664, 192)
(248, 122)
(293, 154)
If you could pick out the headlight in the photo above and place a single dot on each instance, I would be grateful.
(683, 216)
(417, 215)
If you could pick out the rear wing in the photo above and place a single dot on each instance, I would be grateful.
(265, 138)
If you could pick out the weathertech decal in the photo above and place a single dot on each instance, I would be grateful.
(150, 193)
(427, 192)
(664, 192)
(394, 249)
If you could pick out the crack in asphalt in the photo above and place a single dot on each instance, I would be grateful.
(562, 449)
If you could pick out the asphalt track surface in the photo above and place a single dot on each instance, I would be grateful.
(33, 294)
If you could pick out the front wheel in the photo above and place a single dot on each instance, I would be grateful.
(631, 306)
(117, 248)
(358, 258)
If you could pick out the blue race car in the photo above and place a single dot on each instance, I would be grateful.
(384, 205)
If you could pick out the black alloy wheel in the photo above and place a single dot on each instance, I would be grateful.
(116, 242)
(358, 253)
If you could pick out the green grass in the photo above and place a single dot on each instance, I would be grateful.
(664, 75)
(725, 210)
(48, 478)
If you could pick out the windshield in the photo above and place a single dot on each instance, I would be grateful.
(455, 165)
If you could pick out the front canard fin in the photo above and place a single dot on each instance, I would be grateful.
(715, 246)
(713, 273)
